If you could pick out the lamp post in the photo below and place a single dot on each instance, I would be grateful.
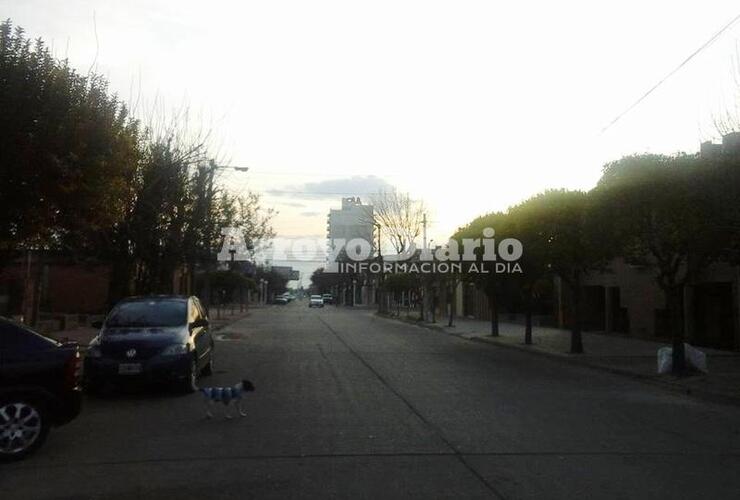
(210, 264)
(232, 251)
(354, 291)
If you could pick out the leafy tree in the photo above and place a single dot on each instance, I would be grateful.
(574, 240)
(324, 282)
(665, 212)
(276, 282)
(528, 225)
(492, 285)
(68, 150)
(227, 283)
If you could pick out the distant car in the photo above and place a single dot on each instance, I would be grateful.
(39, 388)
(281, 300)
(160, 338)
(328, 298)
(316, 301)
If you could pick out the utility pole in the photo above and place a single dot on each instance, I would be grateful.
(424, 225)
(379, 294)
(422, 288)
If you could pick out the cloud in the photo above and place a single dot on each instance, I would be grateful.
(293, 204)
(310, 214)
(331, 188)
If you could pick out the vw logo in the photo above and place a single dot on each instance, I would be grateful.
(131, 353)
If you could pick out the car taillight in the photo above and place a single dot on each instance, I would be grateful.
(73, 371)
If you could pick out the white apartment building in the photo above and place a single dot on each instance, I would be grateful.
(353, 220)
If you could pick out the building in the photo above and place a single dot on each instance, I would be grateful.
(52, 292)
(730, 146)
(353, 221)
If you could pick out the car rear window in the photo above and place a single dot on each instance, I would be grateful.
(148, 313)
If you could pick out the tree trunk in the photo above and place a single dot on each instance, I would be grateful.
(528, 318)
(674, 305)
(452, 307)
(576, 339)
(434, 307)
(494, 314)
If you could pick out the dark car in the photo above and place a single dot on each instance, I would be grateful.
(152, 339)
(39, 388)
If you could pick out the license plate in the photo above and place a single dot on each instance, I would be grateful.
(129, 368)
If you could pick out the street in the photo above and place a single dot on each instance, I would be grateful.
(351, 405)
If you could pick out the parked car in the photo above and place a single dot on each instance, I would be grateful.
(328, 298)
(161, 338)
(281, 300)
(39, 388)
(316, 301)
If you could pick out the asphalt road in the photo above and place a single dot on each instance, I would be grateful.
(349, 405)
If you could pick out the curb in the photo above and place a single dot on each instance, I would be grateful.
(231, 321)
(650, 379)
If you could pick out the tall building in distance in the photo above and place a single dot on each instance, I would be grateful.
(353, 220)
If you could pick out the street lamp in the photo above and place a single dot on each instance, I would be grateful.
(378, 226)
(232, 250)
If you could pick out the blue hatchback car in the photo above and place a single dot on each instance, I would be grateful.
(161, 338)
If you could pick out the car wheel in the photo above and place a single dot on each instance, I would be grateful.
(24, 425)
(208, 369)
(189, 383)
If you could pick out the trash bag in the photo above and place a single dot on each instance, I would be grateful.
(665, 360)
(695, 359)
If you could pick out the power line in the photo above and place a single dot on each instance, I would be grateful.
(672, 72)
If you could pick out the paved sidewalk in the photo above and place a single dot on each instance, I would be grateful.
(84, 334)
(614, 353)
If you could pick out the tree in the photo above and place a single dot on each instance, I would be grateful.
(400, 217)
(177, 210)
(324, 282)
(665, 213)
(529, 226)
(276, 282)
(576, 242)
(68, 150)
(491, 284)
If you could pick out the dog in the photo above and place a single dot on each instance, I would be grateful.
(226, 396)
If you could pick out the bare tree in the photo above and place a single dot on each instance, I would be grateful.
(400, 217)
(728, 120)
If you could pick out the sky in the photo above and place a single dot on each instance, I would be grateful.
(470, 106)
